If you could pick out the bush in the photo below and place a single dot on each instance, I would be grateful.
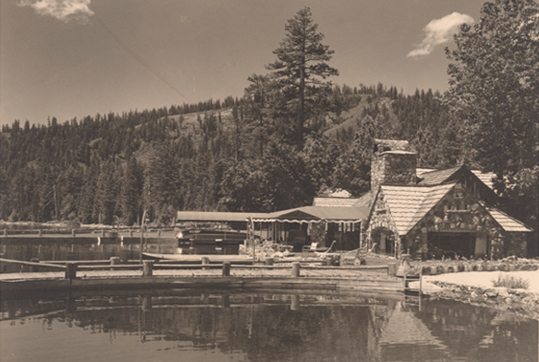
(511, 282)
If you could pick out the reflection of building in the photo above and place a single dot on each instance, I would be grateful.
(424, 212)
(407, 338)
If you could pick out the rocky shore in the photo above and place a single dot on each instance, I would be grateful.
(519, 301)
(472, 281)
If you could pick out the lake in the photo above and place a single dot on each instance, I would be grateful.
(199, 325)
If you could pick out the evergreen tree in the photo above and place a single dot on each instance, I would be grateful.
(131, 191)
(301, 68)
(494, 83)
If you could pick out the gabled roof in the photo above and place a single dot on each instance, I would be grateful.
(438, 176)
(429, 176)
(365, 200)
(485, 177)
(420, 171)
(409, 204)
(507, 222)
(317, 213)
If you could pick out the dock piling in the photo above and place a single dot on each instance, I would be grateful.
(71, 271)
(115, 260)
(295, 269)
(147, 268)
(226, 269)
(35, 268)
(294, 302)
(392, 269)
(205, 260)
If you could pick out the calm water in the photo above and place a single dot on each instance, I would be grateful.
(178, 325)
(65, 250)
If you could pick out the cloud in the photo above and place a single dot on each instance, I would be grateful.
(439, 31)
(64, 10)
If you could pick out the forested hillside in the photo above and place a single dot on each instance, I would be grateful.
(292, 135)
(209, 156)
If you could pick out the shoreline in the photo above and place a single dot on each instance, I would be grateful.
(476, 288)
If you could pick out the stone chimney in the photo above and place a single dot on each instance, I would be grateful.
(393, 163)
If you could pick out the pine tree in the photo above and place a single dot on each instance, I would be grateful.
(494, 83)
(301, 68)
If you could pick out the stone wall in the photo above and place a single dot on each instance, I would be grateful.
(381, 219)
(458, 211)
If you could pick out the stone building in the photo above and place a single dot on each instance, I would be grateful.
(435, 213)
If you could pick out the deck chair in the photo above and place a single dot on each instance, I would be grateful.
(309, 248)
(314, 248)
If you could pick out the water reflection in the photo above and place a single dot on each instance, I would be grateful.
(262, 327)
(87, 249)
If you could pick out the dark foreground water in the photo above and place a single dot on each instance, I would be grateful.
(179, 325)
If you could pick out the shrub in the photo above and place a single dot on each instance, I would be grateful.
(511, 282)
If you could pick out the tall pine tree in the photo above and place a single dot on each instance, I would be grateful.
(301, 68)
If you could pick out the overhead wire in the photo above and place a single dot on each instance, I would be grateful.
(138, 58)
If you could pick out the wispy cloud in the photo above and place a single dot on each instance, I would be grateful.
(439, 31)
(64, 10)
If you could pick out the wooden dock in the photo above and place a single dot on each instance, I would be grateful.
(77, 277)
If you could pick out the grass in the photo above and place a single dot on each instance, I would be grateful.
(511, 282)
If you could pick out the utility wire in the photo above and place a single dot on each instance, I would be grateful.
(135, 56)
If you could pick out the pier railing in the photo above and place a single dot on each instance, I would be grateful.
(72, 267)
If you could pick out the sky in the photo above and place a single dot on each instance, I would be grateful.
(73, 58)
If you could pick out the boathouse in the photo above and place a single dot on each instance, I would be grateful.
(435, 213)
(297, 227)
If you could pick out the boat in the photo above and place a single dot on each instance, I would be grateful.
(212, 241)
(217, 245)
(197, 258)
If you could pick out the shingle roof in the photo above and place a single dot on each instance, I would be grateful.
(309, 213)
(485, 177)
(438, 176)
(420, 171)
(429, 176)
(409, 204)
(365, 200)
(507, 222)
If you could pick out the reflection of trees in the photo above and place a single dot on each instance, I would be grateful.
(463, 328)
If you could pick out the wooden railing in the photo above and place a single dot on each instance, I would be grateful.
(72, 267)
